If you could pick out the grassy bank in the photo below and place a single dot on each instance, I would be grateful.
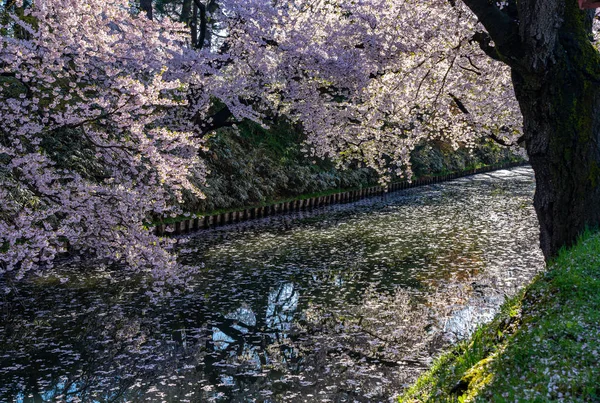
(543, 346)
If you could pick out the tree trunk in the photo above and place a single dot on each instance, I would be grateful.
(199, 33)
(561, 123)
(146, 5)
(186, 9)
(556, 77)
(561, 117)
(194, 25)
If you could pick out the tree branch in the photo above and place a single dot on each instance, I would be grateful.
(505, 143)
(203, 24)
(146, 6)
(501, 29)
(459, 103)
(484, 40)
(215, 121)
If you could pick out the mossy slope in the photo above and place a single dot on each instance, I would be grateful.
(543, 346)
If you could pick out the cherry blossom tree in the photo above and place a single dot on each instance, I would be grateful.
(369, 79)
(94, 140)
(104, 109)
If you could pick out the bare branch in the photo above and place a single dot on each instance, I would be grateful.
(459, 104)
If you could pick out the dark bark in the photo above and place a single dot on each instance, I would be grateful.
(200, 11)
(203, 26)
(186, 9)
(194, 25)
(220, 119)
(146, 6)
(556, 76)
(501, 28)
(561, 111)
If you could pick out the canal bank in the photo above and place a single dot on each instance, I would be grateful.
(192, 223)
(544, 345)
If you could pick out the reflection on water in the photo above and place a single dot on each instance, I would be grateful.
(346, 303)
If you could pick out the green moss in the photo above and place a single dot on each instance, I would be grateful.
(580, 70)
(477, 377)
(543, 345)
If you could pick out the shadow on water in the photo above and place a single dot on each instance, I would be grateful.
(345, 303)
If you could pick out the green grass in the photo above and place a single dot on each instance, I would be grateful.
(543, 346)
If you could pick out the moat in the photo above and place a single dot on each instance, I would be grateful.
(343, 303)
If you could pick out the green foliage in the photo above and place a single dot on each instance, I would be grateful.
(439, 158)
(252, 165)
(281, 140)
(7, 26)
(69, 149)
(544, 344)
(10, 87)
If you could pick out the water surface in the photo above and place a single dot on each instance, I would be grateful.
(345, 303)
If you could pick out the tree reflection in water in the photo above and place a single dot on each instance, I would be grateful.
(342, 304)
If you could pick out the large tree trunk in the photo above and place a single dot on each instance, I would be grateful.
(556, 76)
(559, 93)
(562, 123)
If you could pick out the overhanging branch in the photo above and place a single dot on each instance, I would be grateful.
(459, 103)
(220, 119)
(501, 141)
